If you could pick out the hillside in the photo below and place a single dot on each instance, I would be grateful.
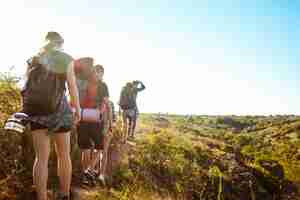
(175, 157)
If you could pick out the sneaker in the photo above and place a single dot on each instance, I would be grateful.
(131, 138)
(101, 179)
(62, 197)
(93, 173)
(89, 174)
(92, 179)
(85, 179)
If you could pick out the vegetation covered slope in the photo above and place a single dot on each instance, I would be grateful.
(178, 157)
(205, 157)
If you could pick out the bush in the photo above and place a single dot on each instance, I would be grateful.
(10, 97)
(167, 162)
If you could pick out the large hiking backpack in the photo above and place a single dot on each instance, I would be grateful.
(86, 82)
(83, 68)
(127, 100)
(45, 84)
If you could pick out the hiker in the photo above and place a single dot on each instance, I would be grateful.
(85, 78)
(129, 107)
(91, 134)
(106, 134)
(106, 142)
(45, 102)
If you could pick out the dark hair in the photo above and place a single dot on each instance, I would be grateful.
(99, 67)
(51, 35)
(129, 84)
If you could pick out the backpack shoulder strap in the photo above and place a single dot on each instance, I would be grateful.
(56, 61)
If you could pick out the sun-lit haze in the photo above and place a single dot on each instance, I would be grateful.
(195, 57)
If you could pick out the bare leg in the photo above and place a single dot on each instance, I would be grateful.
(107, 140)
(41, 143)
(97, 165)
(62, 146)
(130, 127)
(85, 159)
(96, 159)
(133, 125)
(125, 126)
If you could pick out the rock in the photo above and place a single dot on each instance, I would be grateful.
(273, 167)
(270, 181)
(297, 156)
(243, 185)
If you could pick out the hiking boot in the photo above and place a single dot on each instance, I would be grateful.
(93, 173)
(85, 179)
(90, 177)
(131, 137)
(61, 196)
(89, 174)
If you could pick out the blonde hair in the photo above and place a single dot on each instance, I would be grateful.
(53, 40)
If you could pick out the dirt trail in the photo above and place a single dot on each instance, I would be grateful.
(80, 193)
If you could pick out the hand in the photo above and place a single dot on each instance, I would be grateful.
(77, 116)
(110, 132)
(113, 124)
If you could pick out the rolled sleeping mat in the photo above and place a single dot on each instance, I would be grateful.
(16, 123)
(90, 115)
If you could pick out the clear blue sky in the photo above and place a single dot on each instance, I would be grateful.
(200, 57)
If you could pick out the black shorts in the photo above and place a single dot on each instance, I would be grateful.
(90, 135)
(35, 126)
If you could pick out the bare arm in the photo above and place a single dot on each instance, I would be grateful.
(142, 87)
(71, 80)
(109, 116)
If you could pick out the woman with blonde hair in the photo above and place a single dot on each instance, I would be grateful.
(44, 100)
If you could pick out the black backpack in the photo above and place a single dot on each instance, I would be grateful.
(44, 89)
(127, 100)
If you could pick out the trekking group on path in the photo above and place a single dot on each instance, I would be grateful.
(51, 114)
